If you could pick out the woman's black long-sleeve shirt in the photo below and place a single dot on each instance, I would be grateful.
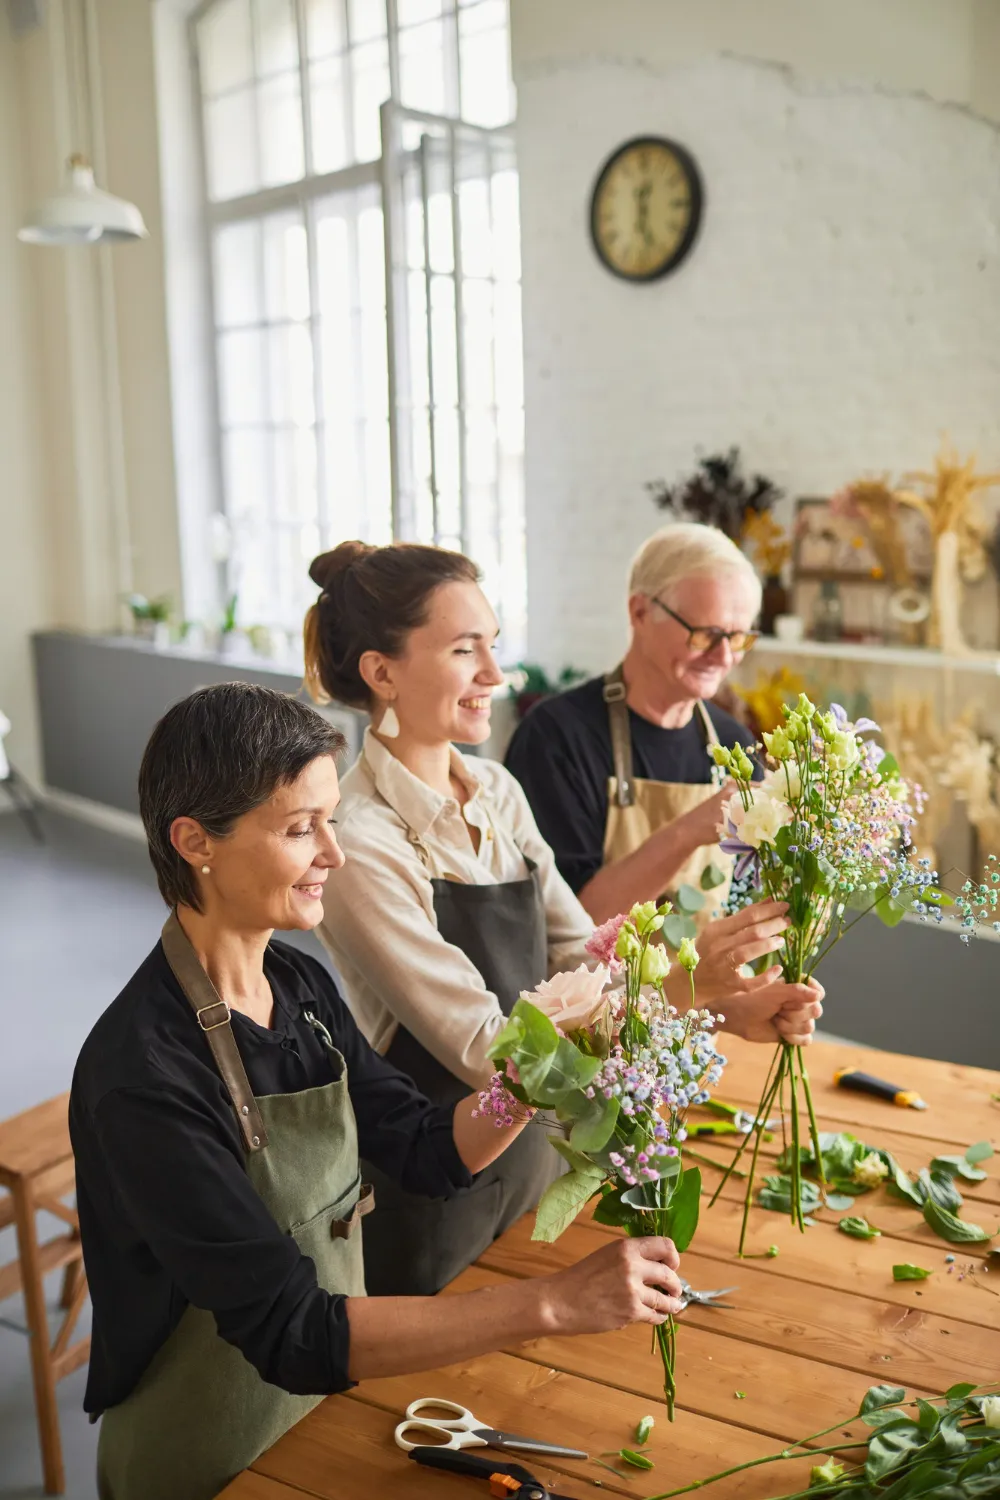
(168, 1214)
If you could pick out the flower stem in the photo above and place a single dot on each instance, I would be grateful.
(758, 1132)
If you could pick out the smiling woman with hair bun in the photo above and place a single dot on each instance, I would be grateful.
(449, 904)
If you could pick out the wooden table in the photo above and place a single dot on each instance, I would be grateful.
(810, 1330)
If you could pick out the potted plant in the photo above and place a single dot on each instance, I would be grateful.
(151, 618)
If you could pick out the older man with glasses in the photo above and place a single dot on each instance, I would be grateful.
(618, 771)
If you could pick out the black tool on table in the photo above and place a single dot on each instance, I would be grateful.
(506, 1481)
(864, 1083)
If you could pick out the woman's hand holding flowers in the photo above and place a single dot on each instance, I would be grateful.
(777, 1012)
(728, 943)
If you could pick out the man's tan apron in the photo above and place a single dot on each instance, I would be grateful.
(201, 1413)
(637, 807)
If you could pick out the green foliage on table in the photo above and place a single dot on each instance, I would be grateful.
(858, 1228)
(908, 1272)
(947, 1448)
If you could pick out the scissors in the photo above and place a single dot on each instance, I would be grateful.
(704, 1299)
(457, 1428)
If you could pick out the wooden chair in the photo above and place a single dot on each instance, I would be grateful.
(36, 1168)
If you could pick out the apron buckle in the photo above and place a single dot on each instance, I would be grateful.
(211, 1025)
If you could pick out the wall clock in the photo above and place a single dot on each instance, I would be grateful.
(646, 208)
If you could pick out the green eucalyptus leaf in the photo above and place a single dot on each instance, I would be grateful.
(981, 1151)
(956, 1231)
(958, 1166)
(689, 899)
(576, 1159)
(711, 877)
(839, 1201)
(858, 1228)
(878, 1396)
(683, 1209)
(568, 1071)
(889, 911)
(890, 1448)
(676, 928)
(594, 1123)
(561, 1202)
(908, 1272)
(539, 1042)
(776, 1194)
(508, 1039)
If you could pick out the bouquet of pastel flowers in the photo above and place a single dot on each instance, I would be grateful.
(619, 1068)
(828, 830)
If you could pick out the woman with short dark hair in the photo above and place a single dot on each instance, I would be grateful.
(217, 1113)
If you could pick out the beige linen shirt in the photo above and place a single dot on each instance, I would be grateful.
(379, 924)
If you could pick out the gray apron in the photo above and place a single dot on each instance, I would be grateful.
(201, 1413)
(414, 1246)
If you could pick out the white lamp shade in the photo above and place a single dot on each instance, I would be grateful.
(83, 215)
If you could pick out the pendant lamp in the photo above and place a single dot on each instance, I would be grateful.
(81, 214)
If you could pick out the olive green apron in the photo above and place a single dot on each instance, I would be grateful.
(638, 807)
(201, 1414)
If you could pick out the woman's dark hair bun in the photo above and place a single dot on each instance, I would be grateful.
(372, 598)
(325, 569)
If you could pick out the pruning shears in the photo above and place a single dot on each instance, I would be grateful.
(736, 1121)
(506, 1481)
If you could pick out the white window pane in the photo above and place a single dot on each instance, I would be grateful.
(416, 306)
(230, 150)
(241, 378)
(246, 467)
(422, 68)
(484, 57)
(506, 227)
(329, 114)
(326, 29)
(370, 65)
(509, 355)
(443, 346)
(412, 12)
(480, 451)
(474, 219)
(295, 476)
(446, 452)
(378, 495)
(367, 19)
(281, 148)
(225, 46)
(477, 312)
(290, 368)
(236, 261)
(276, 36)
(286, 268)
(439, 236)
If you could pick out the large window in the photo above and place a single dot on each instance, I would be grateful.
(362, 209)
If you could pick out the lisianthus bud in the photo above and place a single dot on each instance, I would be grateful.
(742, 764)
(805, 708)
(655, 964)
(778, 744)
(687, 955)
(721, 755)
(795, 727)
(643, 915)
(628, 944)
(991, 1410)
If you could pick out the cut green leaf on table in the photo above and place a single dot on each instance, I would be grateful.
(981, 1151)
(908, 1272)
(643, 1429)
(951, 1228)
(858, 1228)
(637, 1460)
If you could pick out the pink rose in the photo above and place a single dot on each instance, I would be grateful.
(572, 1000)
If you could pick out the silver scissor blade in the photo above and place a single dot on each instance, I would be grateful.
(497, 1439)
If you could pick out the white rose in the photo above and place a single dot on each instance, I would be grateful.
(991, 1410)
(785, 782)
(760, 822)
(573, 999)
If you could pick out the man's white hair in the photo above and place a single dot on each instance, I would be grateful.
(685, 549)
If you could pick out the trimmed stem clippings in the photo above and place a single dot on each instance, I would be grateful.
(620, 1070)
(829, 831)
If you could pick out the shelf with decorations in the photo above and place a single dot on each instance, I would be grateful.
(918, 657)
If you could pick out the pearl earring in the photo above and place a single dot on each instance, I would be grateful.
(388, 726)
(206, 870)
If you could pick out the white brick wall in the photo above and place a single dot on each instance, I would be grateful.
(840, 311)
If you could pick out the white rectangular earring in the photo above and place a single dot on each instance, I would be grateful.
(388, 725)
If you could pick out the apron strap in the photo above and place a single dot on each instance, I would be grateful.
(707, 727)
(615, 694)
(213, 1016)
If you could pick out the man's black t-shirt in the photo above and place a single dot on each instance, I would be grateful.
(168, 1214)
(561, 754)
